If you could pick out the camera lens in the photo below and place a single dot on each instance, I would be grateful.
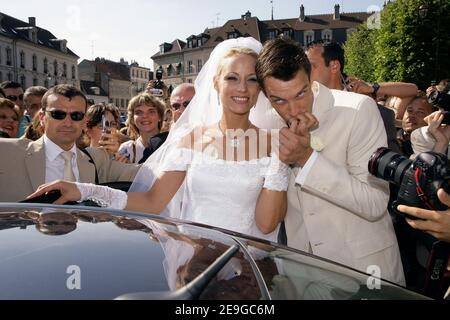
(388, 165)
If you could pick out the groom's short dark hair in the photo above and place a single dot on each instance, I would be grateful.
(281, 58)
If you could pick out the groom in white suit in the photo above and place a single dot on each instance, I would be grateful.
(336, 209)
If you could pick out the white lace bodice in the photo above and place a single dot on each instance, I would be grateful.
(224, 193)
(217, 192)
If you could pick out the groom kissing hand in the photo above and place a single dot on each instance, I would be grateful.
(336, 209)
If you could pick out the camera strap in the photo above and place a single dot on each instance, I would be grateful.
(419, 190)
(437, 281)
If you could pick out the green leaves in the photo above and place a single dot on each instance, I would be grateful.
(410, 46)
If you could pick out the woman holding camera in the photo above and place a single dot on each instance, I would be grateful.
(102, 130)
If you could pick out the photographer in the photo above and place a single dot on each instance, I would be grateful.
(436, 136)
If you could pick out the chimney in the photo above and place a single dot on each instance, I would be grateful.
(32, 21)
(302, 13)
(337, 14)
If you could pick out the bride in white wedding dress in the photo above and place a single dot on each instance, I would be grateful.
(216, 166)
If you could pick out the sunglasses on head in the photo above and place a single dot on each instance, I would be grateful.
(61, 115)
(177, 106)
(15, 98)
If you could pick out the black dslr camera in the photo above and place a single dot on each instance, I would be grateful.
(418, 180)
(441, 100)
(159, 84)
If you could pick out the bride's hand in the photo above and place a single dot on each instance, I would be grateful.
(69, 191)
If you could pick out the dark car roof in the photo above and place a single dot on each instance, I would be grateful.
(56, 252)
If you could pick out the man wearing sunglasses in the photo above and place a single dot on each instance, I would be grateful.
(13, 92)
(180, 98)
(26, 164)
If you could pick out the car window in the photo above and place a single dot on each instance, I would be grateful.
(292, 275)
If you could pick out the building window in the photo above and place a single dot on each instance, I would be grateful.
(199, 42)
(132, 73)
(45, 65)
(22, 60)
(179, 68)
(272, 34)
(122, 103)
(34, 62)
(35, 81)
(10, 77)
(55, 68)
(8, 57)
(287, 33)
(23, 81)
(74, 73)
(327, 35)
(169, 70)
(46, 83)
(190, 67)
(64, 74)
(190, 44)
(189, 80)
(308, 37)
(140, 73)
(199, 65)
(1, 76)
(232, 35)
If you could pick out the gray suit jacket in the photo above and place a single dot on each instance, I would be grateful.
(22, 168)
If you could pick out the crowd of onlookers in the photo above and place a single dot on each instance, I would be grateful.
(115, 148)
(149, 119)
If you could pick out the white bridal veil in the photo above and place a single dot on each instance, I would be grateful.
(203, 110)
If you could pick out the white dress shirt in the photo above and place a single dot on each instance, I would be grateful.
(54, 164)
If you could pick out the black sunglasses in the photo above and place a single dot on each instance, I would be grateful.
(177, 106)
(15, 98)
(61, 115)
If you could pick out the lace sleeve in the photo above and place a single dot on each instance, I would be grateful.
(178, 159)
(103, 196)
(277, 175)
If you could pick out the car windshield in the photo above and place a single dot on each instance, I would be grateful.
(85, 255)
(292, 276)
(72, 253)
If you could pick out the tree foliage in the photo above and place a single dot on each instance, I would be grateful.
(359, 54)
(412, 45)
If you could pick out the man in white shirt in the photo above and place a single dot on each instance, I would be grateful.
(336, 209)
(26, 164)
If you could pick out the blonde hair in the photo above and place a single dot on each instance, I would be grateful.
(234, 52)
(141, 100)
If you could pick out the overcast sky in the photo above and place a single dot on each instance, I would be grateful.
(134, 29)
